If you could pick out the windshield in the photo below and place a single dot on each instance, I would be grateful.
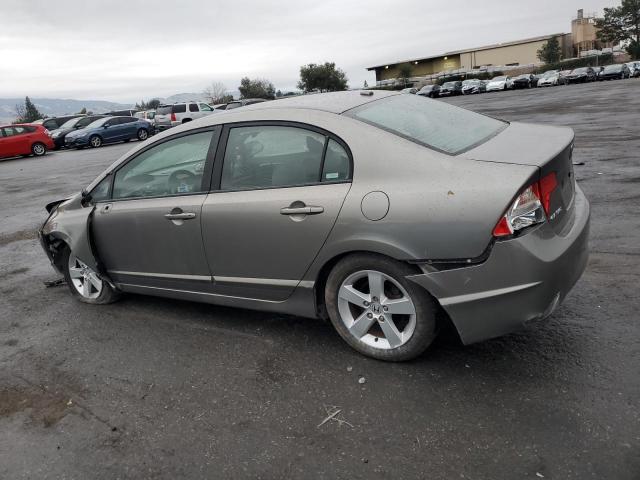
(426, 88)
(498, 79)
(70, 123)
(98, 123)
(164, 110)
(233, 105)
(612, 68)
(581, 70)
(470, 82)
(449, 85)
(433, 124)
(550, 74)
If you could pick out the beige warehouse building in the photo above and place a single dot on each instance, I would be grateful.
(520, 52)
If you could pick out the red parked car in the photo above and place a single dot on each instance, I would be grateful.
(25, 140)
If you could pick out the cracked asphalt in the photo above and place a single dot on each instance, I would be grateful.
(154, 388)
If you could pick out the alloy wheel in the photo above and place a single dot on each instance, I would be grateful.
(142, 134)
(95, 142)
(39, 149)
(86, 282)
(376, 309)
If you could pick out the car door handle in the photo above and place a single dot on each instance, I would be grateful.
(180, 216)
(301, 210)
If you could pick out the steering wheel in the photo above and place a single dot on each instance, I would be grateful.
(182, 181)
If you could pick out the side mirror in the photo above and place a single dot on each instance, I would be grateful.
(106, 126)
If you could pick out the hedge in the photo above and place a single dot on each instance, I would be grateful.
(604, 59)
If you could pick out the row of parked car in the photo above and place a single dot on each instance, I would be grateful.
(546, 79)
(80, 131)
(167, 116)
(77, 131)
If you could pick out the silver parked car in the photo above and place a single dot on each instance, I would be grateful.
(374, 209)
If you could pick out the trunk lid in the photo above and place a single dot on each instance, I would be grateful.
(548, 148)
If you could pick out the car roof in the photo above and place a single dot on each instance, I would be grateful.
(21, 125)
(333, 102)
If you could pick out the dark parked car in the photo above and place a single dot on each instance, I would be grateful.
(122, 113)
(431, 91)
(615, 72)
(451, 88)
(473, 86)
(243, 102)
(55, 122)
(109, 130)
(582, 75)
(59, 134)
(524, 81)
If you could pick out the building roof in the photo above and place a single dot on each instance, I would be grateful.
(477, 49)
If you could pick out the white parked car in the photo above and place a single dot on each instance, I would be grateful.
(168, 116)
(551, 78)
(499, 83)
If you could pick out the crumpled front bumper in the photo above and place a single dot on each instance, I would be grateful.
(523, 279)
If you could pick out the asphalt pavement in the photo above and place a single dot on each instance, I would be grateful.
(155, 388)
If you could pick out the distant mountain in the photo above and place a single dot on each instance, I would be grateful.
(183, 97)
(52, 107)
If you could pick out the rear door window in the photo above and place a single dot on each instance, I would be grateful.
(193, 107)
(179, 108)
(267, 156)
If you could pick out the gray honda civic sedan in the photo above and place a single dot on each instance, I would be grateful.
(385, 213)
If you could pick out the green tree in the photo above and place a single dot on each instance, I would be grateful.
(28, 112)
(550, 51)
(257, 88)
(404, 73)
(323, 77)
(622, 24)
(153, 104)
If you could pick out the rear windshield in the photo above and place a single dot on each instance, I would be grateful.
(169, 109)
(431, 123)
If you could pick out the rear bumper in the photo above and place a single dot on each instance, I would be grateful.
(524, 279)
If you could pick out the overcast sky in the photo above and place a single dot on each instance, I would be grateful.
(125, 50)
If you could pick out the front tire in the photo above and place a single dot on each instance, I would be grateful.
(377, 311)
(95, 141)
(85, 284)
(38, 149)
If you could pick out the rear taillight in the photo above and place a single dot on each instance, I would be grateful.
(530, 208)
(173, 117)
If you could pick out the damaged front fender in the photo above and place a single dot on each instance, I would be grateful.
(68, 224)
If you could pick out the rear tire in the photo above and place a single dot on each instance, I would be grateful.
(142, 134)
(95, 141)
(84, 283)
(38, 149)
(395, 325)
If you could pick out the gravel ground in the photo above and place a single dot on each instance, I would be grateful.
(153, 388)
